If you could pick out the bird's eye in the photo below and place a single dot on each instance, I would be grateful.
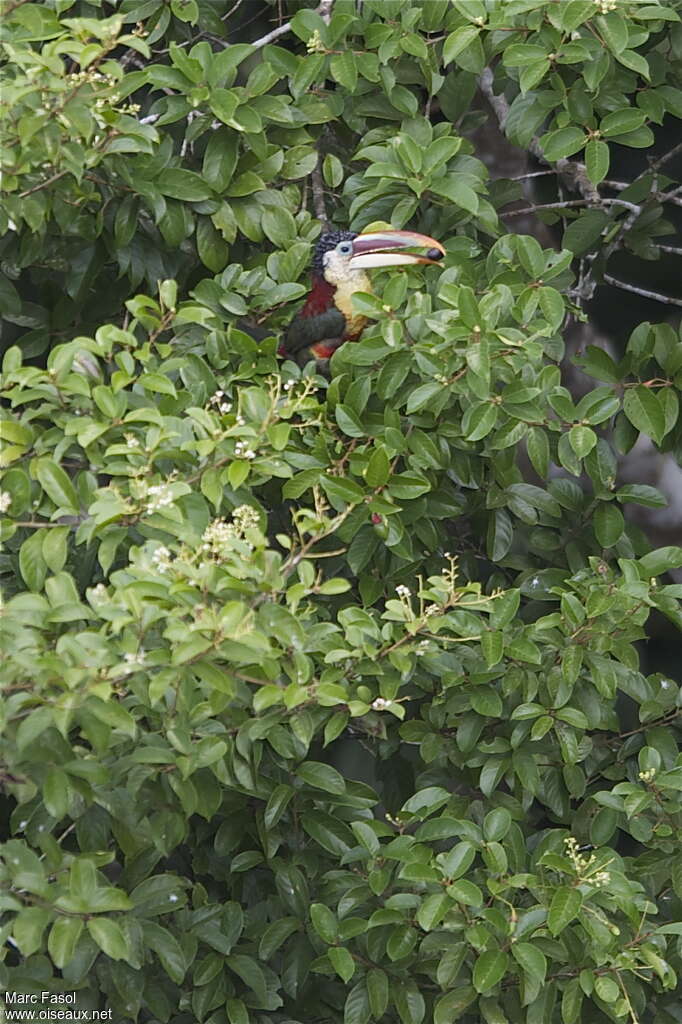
(345, 248)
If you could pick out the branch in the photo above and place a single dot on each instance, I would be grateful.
(668, 300)
(324, 9)
(662, 197)
(567, 203)
(318, 195)
(43, 184)
(574, 171)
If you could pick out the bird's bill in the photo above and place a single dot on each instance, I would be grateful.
(382, 249)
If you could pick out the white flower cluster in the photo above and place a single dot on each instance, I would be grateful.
(134, 658)
(606, 6)
(583, 864)
(403, 591)
(380, 703)
(162, 559)
(132, 441)
(288, 384)
(422, 648)
(217, 400)
(5, 500)
(648, 775)
(159, 495)
(242, 451)
(79, 77)
(218, 537)
(245, 517)
(99, 593)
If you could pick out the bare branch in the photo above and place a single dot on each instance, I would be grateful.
(324, 9)
(662, 197)
(318, 195)
(656, 164)
(674, 250)
(667, 300)
(568, 203)
(43, 184)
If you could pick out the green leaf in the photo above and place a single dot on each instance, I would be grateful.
(608, 524)
(356, 1008)
(619, 122)
(496, 824)
(582, 439)
(181, 184)
(452, 1005)
(324, 922)
(582, 234)
(644, 410)
(378, 469)
(480, 420)
(562, 143)
(401, 942)
(635, 62)
(459, 40)
(108, 935)
(342, 962)
(56, 483)
(344, 70)
(32, 564)
(531, 959)
(322, 776)
(377, 992)
(659, 561)
(489, 969)
(422, 395)
(597, 160)
(566, 902)
(63, 937)
(349, 421)
(614, 30)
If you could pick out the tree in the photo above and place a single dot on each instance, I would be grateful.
(322, 699)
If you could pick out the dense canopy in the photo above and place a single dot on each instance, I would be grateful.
(329, 699)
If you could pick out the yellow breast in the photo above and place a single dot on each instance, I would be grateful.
(356, 281)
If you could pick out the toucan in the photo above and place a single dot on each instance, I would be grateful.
(340, 265)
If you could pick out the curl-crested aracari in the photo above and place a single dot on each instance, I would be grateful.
(340, 265)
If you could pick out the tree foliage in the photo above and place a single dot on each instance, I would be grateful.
(232, 585)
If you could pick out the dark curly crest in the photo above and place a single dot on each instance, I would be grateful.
(329, 241)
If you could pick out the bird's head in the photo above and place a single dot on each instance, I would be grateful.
(343, 257)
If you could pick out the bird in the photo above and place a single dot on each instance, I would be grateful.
(339, 269)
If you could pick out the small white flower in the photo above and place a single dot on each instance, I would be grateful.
(172, 898)
(380, 703)
(403, 591)
(5, 500)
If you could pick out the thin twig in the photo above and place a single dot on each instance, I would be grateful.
(43, 184)
(668, 300)
(318, 195)
(662, 197)
(674, 250)
(568, 203)
(324, 9)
